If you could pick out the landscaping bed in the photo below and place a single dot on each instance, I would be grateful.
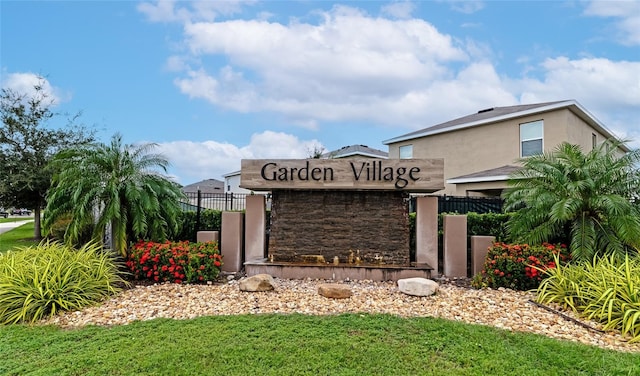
(501, 308)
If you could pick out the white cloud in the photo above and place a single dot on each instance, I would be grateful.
(25, 83)
(194, 161)
(400, 9)
(610, 90)
(465, 6)
(627, 15)
(345, 67)
(175, 11)
(596, 83)
(401, 72)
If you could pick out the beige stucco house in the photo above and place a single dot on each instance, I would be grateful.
(481, 150)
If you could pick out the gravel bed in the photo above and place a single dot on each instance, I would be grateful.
(502, 308)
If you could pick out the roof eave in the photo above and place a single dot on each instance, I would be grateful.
(359, 153)
(481, 179)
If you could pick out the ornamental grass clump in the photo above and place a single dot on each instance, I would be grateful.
(518, 266)
(43, 280)
(606, 290)
(175, 261)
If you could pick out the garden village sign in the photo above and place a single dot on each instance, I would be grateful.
(346, 211)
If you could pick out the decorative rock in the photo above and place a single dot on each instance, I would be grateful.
(507, 308)
(334, 290)
(257, 283)
(417, 286)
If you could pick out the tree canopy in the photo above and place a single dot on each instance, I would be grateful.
(27, 144)
(586, 199)
(116, 186)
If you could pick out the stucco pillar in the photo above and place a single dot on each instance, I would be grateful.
(232, 241)
(427, 232)
(207, 236)
(479, 249)
(255, 227)
(455, 245)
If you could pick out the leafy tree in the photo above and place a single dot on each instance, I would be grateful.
(316, 152)
(586, 199)
(27, 145)
(114, 186)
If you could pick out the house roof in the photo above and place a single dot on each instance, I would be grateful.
(205, 186)
(354, 150)
(496, 114)
(234, 173)
(494, 174)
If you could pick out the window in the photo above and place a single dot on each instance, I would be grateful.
(594, 141)
(406, 152)
(531, 138)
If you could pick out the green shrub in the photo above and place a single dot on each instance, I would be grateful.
(210, 220)
(57, 231)
(492, 224)
(518, 266)
(50, 277)
(605, 290)
(175, 262)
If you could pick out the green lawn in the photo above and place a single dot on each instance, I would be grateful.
(14, 219)
(350, 344)
(20, 236)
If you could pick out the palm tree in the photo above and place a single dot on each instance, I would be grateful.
(116, 186)
(586, 199)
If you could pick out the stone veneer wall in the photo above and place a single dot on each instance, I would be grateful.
(331, 223)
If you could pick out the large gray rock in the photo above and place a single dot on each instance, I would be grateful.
(257, 283)
(334, 290)
(417, 286)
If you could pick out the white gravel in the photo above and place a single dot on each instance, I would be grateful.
(502, 308)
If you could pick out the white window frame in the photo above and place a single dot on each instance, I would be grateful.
(405, 147)
(541, 138)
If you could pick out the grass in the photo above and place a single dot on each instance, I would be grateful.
(14, 219)
(18, 237)
(349, 344)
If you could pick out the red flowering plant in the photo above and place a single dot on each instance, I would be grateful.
(518, 266)
(174, 261)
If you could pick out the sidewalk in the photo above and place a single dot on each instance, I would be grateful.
(6, 226)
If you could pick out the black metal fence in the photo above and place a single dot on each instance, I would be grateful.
(446, 204)
(216, 201)
(465, 204)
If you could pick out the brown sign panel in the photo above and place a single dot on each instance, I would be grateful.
(414, 175)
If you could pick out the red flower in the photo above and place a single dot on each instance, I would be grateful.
(164, 268)
(217, 263)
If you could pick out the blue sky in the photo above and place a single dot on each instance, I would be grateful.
(217, 81)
